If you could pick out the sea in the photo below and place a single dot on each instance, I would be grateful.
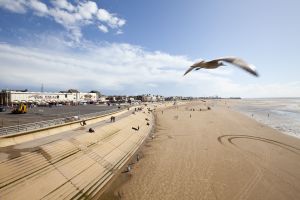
(282, 114)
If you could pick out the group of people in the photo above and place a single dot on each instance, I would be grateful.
(138, 109)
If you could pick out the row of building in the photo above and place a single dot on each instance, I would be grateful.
(132, 99)
(11, 97)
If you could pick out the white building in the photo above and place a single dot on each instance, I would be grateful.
(14, 97)
(152, 98)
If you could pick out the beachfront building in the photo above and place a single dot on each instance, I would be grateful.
(10, 97)
(102, 99)
(160, 98)
(150, 98)
(173, 98)
(134, 99)
(117, 99)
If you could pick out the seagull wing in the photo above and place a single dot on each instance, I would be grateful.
(196, 66)
(189, 69)
(239, 63)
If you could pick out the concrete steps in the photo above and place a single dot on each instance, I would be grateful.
(75, 168)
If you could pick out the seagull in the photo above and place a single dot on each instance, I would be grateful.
(212, 64)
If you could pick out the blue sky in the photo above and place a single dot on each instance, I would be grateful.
(135, 46)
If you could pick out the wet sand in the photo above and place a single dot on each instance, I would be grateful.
(212, 154)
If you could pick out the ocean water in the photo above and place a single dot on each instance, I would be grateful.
(282, 114)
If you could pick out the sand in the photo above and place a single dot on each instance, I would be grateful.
(212, 154)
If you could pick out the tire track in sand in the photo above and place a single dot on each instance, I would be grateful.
(258, 171)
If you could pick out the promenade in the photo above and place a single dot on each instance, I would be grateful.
(74, 167)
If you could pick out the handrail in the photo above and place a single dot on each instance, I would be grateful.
(9, 130)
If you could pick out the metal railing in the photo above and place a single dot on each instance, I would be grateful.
(9, 130)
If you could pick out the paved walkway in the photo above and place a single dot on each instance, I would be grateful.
(48, 113)
(74, 165)
(18, 149)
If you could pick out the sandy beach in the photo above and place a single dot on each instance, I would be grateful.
(212, 154)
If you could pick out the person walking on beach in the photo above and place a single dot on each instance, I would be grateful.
(190, 115)
(112, 119)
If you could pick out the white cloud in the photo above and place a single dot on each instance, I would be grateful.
(63, 17)
(87, 9)
(288, 89)
(38, 7)
(63, 4)
(103, 15)
(103, 28)
(113, 21)
(21, 6)
(152, 85)
(121, 22)
(17, 6)
(71, 16)
(124, 68)
(112, 66)
(119, 32)
(75, 33)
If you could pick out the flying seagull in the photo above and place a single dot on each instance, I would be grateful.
(212, 64)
